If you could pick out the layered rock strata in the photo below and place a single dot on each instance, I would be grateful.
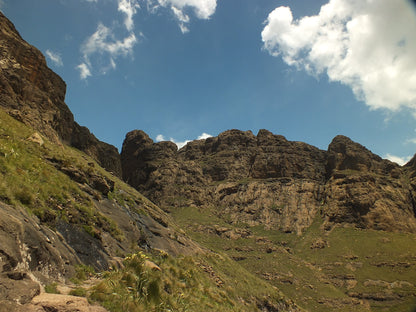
(268, 180)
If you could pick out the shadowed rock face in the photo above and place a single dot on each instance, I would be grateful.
(367, 190)
(268, 180)
(34, 94)
(344, 154)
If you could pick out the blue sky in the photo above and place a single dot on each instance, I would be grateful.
(177, 69)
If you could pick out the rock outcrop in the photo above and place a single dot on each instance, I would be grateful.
(261, 179)
(35, 95)
(366, 190)
(268, 180)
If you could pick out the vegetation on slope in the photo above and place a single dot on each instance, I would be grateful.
(199, 283)
(56, 184)
(346, 269)
(29, 178)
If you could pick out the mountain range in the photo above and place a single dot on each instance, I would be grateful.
(237, 222)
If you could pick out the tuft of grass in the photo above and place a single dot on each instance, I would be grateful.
(79, 292)
(52, 288)
(82, 273)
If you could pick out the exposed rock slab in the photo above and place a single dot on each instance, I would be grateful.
(61, 303)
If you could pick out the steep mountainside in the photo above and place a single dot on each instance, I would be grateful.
(59, 210)
(69, 227)
(34, 94)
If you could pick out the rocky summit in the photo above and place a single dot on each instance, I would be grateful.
(237, 222)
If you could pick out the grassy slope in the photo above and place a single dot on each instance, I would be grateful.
(28, 180)
(208, 282)
(357, 270)
(198, 283)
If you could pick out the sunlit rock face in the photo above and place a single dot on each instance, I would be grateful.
(268, 180)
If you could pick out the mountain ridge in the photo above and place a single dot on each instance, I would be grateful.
(342, 183)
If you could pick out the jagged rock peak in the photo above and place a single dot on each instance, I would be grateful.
(233, 154)
(138, 140)
(411, 163)
(244, 174)
(344, 145)
(265, 137)
(344, 154)
(137, 137)
(236, 137)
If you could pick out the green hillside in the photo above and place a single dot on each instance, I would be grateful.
(58, 184)
(345, 269)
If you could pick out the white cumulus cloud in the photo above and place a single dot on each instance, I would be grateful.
(160, 138)
(367, 45)
(54, 57)
(204, 136)
(106, 48)
(129, 9)
(398, 160)
(181, 144)
(103, 47)
(84, 71)
(103, 41)
(203, 9)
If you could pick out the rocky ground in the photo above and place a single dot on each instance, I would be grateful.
(26, 295)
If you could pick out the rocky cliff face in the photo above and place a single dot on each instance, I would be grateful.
(34, 94)
(267, 180)
(366, 190)
(88, 216)
(261, 179)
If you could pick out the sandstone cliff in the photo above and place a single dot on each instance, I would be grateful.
(34, 94)
(268, 180)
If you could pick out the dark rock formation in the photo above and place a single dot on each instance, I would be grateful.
(27, 245)
(268, 180)
(261, 179)
(344, 154)
(34, 94)
(367, 190)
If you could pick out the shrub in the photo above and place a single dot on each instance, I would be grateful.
(79, 292)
